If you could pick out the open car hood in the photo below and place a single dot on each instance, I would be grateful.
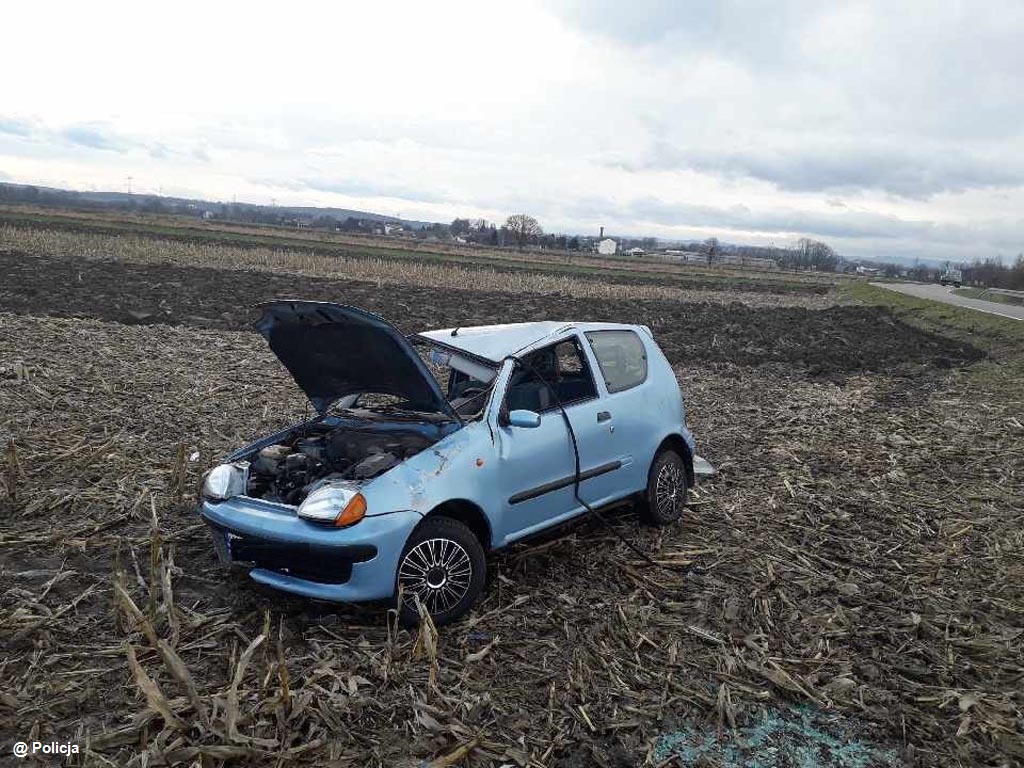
(332, 350)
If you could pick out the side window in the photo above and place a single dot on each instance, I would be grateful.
(554, 374)
(621, 357)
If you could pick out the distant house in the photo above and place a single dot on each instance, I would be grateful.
(687, 256)
(731, 259)
(862, 270)
(607, 247)
(721, 259)
(635, 252)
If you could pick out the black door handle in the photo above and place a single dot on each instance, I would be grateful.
(603, 416)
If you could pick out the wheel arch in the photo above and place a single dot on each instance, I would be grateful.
(469, 514)
(678, 444)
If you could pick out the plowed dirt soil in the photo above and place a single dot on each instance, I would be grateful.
(859, 553)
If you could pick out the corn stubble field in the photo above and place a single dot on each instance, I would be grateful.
(859, 556)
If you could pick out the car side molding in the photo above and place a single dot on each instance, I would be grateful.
(563, 482)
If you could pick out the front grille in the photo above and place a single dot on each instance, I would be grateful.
(312, 562)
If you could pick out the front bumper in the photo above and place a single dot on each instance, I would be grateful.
(310, 559)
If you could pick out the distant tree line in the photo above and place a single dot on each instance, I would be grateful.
(807, 254)
(519, 231)
(810, 254)
(983, 273)
(993, 273)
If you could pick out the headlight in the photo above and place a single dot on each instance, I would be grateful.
(341, 504)
(226, 481)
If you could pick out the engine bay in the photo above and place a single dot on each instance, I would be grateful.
(287, 471)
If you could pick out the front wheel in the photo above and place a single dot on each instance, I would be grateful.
(442, 565)
(666, 488)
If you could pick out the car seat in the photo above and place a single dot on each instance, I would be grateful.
(529, 396)
(529, 388)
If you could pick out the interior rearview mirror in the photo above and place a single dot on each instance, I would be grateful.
(525, 419)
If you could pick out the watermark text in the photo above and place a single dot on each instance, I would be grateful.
(49, 748)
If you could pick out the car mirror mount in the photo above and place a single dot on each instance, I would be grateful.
(524, 419)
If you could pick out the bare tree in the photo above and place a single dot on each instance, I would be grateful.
(523, 228)
(459, 227)
(813, 254)
(711, 248)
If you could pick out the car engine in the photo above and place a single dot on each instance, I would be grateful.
(286, 472)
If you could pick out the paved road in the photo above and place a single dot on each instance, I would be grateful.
(938, 293)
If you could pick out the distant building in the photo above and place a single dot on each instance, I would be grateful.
(721, 259)
(687, 256)
(735, 260)
(607, 247)
(635, 252)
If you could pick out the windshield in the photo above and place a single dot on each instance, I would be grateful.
(466, 382)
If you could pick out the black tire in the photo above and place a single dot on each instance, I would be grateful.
(664, 505)
(443, 562)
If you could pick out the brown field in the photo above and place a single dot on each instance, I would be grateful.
(403, 247)
(135, 249)
(860, 552)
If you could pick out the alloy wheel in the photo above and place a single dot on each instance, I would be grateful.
(438, 571)
(670, 490)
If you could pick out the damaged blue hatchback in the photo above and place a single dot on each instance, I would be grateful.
(430, 450)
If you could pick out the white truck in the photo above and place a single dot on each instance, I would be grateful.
(951, 277)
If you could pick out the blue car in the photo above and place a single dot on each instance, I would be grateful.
(431, 450)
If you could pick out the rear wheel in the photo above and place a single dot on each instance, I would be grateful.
(666, 488)
(442, 565)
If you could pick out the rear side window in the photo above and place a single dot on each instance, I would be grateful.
(621, 356)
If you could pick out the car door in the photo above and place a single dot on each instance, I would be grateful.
(597, 437)
(534, 466)
(631, 405)
(533, 461)
(538, 465)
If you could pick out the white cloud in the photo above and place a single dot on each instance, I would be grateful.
(881, 128)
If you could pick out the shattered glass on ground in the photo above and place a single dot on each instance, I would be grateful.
(802, 737)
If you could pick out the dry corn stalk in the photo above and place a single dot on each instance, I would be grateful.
(154, 696)
(13, 471)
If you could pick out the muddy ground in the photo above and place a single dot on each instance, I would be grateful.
(842, 338)
(533, 262)
(859, 553)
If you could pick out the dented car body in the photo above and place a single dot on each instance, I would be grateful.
(430, 450)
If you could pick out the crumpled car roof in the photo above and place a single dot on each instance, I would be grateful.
(496, 342)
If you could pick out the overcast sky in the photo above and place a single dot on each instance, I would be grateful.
(882, 128)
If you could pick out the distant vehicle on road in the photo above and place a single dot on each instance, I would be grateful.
(951, 277)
